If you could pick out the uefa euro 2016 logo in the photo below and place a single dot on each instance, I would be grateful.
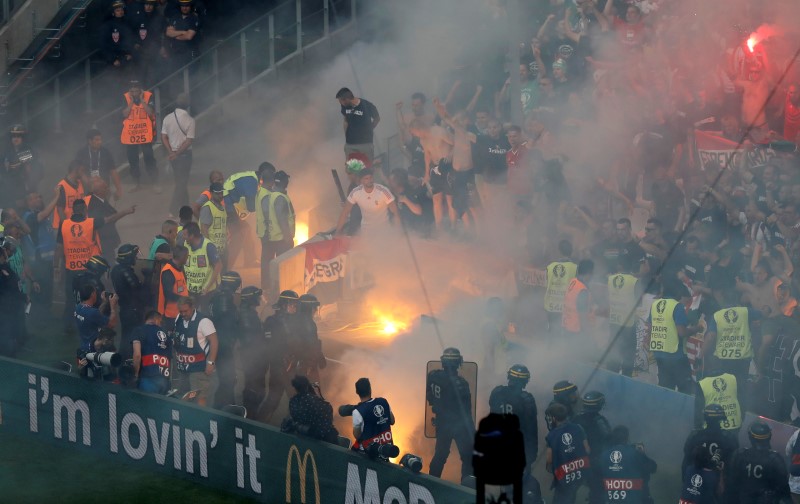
(619, 281)
(731, 316)
(616, 456)
(661, 306)
(559, 270)
(302, 471)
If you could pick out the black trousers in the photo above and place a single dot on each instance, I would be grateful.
(446, 433)
(256, 365)
(269, 251)
(624, 349)
(279, 384)
(226, 374)
(149, 161)
(674, 372)
(181, 167)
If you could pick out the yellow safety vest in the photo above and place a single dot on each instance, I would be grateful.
(733, 334)
(621, 299)
(663, 332)
(198, 268)
(261, 223)
(218, 231)
(274, 231)
(230, 182)
(722, 390)
(559, 275)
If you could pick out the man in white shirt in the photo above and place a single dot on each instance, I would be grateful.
(373, 200)
(195, 350)
(177, 135)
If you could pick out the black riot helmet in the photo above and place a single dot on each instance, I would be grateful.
(565, 392)
(713, 415)
(308, 303)
(451, 358)
(760, 433)
(251, 295)
(593, 401)
(127, 254)
(286, 297)
(230, 281)
(518, 375)
(97, 265)
(17, 130)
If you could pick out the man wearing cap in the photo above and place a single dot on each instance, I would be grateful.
(373, 200)
(214, 221)
(138, 132)
(182, 34)
(360, 119)
(278, 222)
(116, 42)
(177, 136)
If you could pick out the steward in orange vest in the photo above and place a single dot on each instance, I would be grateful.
(172, 286)
(70, 189)
(138, 131)
(578, 300)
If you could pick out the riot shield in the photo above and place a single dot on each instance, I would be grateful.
(468, 371)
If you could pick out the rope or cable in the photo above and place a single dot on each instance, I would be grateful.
(693, 216)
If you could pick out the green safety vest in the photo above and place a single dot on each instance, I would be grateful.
(663, 331)
(559, 275)
(157, 242)
(722, 390)
(733, 334)
(274, 231)
(198, 268)
(261, 223)
(621, 299)
(218, 231)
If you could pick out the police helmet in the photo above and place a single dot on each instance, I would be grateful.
(97, 265)
(182, 3)
(760, 432)
(563, 390)
(593, 401)
(230, 281)
(308, 303)
(285, 298)
(17, 129)
(117, 4)
(252, 295)
(451, 357)
(713, 413)
(519, 374)
(127, 253)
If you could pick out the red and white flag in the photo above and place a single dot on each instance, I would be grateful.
(712, 148)
(326, 260)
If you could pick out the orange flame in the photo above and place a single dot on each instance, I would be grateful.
(751, 43)
(300, 232)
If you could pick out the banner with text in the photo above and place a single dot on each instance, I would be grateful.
(715, 149)
(207, 447)
(326, 260)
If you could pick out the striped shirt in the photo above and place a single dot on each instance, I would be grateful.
(373, 205)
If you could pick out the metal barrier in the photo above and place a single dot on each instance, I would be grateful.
(91, 91)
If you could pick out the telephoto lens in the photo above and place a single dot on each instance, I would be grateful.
(411, 462)
(346, 410)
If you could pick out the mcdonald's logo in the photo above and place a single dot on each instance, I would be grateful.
(302, 467)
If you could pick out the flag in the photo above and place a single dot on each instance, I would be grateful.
(326, 261)
(712, 148)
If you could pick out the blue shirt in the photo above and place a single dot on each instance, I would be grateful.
(681, 319)
(89, 321)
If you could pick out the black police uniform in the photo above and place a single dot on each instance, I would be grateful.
(255, 357)
(116, 40)
(223, 313)
(624, 473)
(182, 52)
(12, 311)
(148, 33)
(718, 441)
(450, 399)
(756, 475)
(306, 348)
(597, 431)
(131, 294)
(508, 400)
(277, 332)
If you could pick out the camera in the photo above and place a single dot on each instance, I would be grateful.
(382, 451)
(346, 410)
(411, 462)
(112, 359)
(289, 426)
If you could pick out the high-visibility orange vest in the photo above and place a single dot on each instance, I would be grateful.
(570, 318)
(79, 242)
(138, 127)
(170, 308)
(71, 194)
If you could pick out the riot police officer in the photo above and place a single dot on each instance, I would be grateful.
(757, 474)
(720, 443)
(597, 432)
(96, 268)
(566, 394)
(131, 294)
(567, 455)
(278, 334)
(451, 401)
(253, 349)
(306, 348)
(222, 309)
(624, 470)
(513, 399)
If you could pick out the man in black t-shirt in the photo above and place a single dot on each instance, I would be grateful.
(360, 119)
